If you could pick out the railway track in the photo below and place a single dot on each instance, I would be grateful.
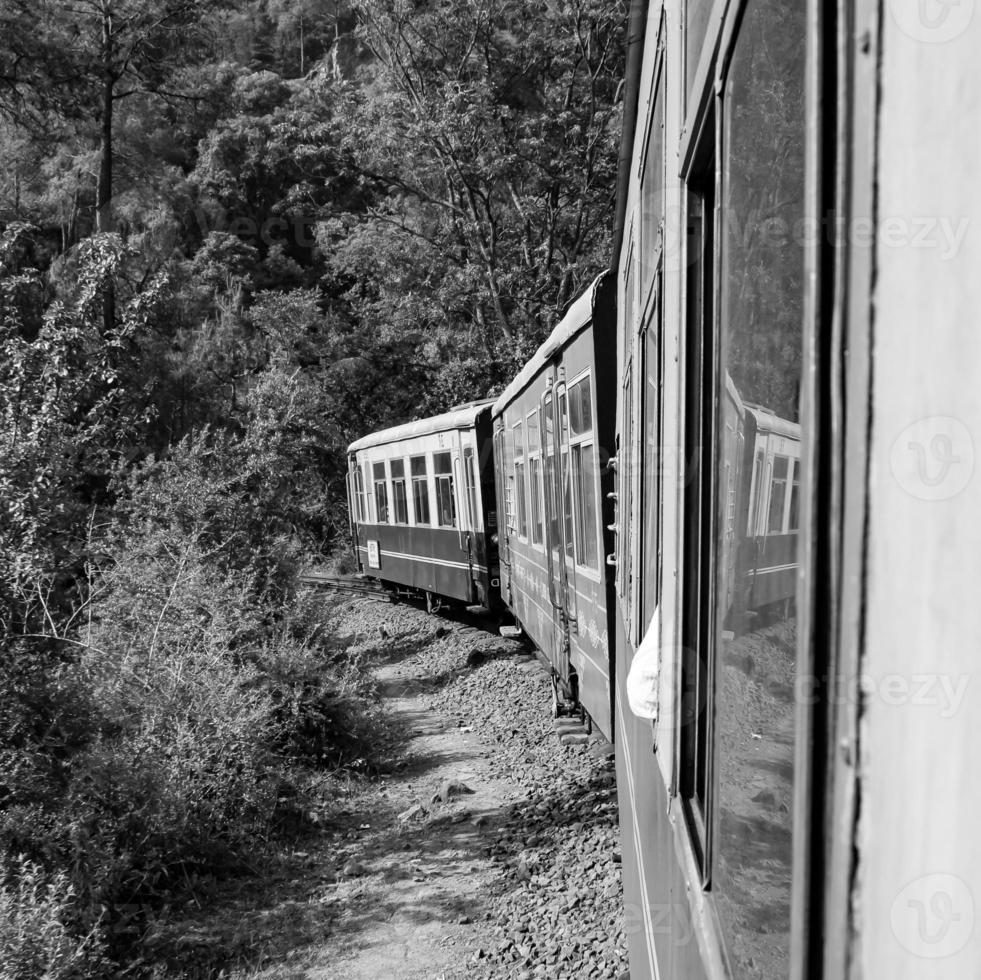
(348, 584)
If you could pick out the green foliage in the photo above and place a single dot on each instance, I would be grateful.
(327, 219)
(35, 940)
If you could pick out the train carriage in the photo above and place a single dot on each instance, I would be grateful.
(797, 368)
(421, 499)
(553, 435)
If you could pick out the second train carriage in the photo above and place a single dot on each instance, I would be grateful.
(553, 436)
(421, 498)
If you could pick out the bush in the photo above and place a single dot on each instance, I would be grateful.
(35, 939)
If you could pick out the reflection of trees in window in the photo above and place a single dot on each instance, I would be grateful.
(763, 208)
(761, 343)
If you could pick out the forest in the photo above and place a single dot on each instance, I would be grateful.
(235, 236)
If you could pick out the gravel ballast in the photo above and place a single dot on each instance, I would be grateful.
(551, 904)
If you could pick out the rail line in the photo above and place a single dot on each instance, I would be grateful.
(348, 584)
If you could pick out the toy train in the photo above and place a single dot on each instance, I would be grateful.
(738, 478)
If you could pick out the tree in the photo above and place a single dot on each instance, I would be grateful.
(78, 59)
(489, 138)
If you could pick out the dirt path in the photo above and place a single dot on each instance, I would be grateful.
(488, 849)
(420, 905)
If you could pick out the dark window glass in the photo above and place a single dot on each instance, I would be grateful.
(471, 479)
(400, 506)
(778, 493)
(420, 489)
(360, 494)
(794, 519)
(580, 408)
(760, 324)
(567, 506)
(445, 499)
(551, 478)
(519, 480)
(584, 478)
(535, 471)
(381, 493)
(699, 398)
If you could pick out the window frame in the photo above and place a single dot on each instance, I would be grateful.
(520, 489)
(536, 487)
(398, 481)
(582, 443)
(381, 504)
(442, 480)
(416, 479)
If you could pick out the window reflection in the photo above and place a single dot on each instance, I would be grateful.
(758, 453)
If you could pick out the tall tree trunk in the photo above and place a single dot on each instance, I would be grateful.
(103, 192)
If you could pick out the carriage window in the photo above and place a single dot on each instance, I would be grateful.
(651, 473)
(359, 494)
(535, 476)
(568, 521)
(583, 474)
(420, 489)
(778, 494)
(381, 493)
(445, 500)
(753, 585)
(625, 451)
(652, 193)
(400, 506)
(755, 493)
(793, 519)
(471, 478)
(521, 506)
(551, 477)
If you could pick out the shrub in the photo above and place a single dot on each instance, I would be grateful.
(35, 938)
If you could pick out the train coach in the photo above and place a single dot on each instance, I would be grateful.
(553, 437)
(422, 507)
(796, 579)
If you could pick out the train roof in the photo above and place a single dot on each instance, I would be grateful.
(578, 316)
(769, 421)
(460, 417)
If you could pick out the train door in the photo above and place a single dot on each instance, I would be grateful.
(554, 527)
(503, 545)
(472, 510)
(566, 506)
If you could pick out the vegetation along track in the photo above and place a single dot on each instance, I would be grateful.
(488, 849)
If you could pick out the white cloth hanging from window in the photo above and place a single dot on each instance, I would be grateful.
(645, 668)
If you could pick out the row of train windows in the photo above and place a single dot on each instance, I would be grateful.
(743, 88)
(372, 491)
(532, 478)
